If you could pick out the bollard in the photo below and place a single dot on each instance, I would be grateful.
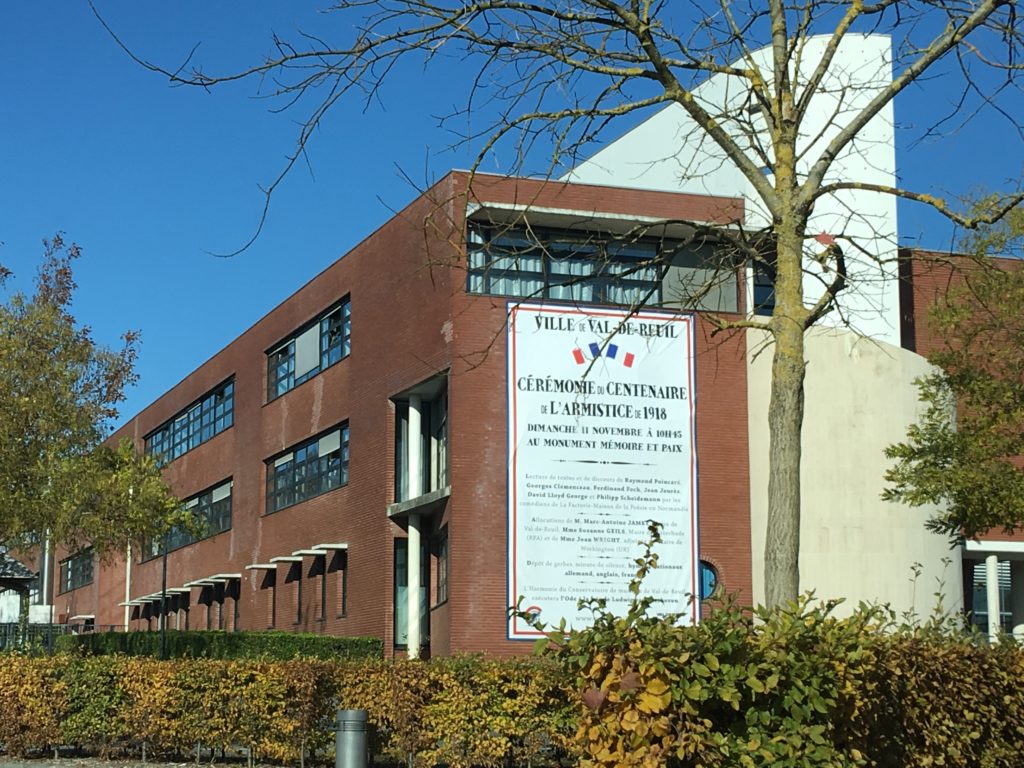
(350, 739)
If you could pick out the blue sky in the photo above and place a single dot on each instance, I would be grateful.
(148, 178)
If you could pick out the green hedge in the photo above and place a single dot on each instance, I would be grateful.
(463, 713)
(795, 687)
(224, 645)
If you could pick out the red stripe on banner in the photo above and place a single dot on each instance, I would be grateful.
(578, 356)
(628, 360)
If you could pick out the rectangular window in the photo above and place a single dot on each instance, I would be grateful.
(208, 416)
(442, 566)
(339, 565)
(307, 470)
(764, 290)
(401, 574)
(76, 571)
(565, 265)
(314, 348)
(212, 511)
(433, 441)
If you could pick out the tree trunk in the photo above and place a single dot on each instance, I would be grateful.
(785, 419)
(786, 413)
(23, 602)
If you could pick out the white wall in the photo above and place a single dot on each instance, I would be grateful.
(860, 398)
(669, 153)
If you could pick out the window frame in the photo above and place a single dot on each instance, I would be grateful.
(187, 429)
(77, 571)
(443, 564)
(154, 548)
(540, 244)
(300, 473)
(332, 349)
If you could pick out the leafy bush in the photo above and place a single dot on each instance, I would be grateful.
(795, 686)
(461, 711)
(224, 645)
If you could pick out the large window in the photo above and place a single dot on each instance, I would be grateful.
(433, 441)
(212, 512)
(308, 469)
(572, 266)
(401, 582)
(76, 571)
(209, 416)
(311, 350)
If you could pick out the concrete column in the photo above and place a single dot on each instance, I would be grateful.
(992, 596)
(1017, 597)
(415, 468)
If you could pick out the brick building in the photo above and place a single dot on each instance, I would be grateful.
(292, 442)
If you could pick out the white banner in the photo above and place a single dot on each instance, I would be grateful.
(601, 440)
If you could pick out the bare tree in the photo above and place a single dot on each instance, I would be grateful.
(552, 77)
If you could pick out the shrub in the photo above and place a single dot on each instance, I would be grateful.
(224, 645)
(794, 686)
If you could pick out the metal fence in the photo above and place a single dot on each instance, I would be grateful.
(41, 637)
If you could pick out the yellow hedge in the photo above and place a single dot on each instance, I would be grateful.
(461, 712)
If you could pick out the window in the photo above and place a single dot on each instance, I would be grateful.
(572, 266)
(708, 580)
(442, 566)
(316, 347)
(212, 511)
(401, 574)
(205, 418)
(433, 440)
(339, 564)
(764, 290)
(76, 571)
(978, 598)
(307, 470)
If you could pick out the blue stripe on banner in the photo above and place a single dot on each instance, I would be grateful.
(612, 351)
(595, 350)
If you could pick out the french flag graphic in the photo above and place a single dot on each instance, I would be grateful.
(611, 352)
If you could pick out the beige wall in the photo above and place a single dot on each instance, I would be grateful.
(860, 397)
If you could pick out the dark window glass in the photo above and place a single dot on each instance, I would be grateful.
(401, 591)
(195, 425)
(333, 333)
(571, 266)
(212, 510)
(76, 571)
(708, 580)
(308, 469)
(442, 566)
(764, 291)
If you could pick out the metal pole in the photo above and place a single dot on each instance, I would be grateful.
(163, 602)
(350, 739)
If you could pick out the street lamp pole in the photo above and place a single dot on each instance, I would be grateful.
(163, 600)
